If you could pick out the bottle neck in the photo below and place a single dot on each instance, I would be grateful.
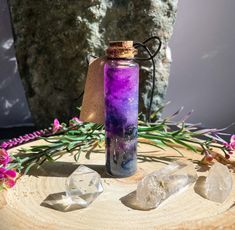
(121, 58)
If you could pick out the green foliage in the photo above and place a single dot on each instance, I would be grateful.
(82, 138)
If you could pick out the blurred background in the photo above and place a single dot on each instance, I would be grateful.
(203, 70)
(202, 73)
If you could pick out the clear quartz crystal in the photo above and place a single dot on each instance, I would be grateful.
(83, 186)
(156, 187)
(218, 183)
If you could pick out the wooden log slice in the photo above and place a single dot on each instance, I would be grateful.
(24, 207)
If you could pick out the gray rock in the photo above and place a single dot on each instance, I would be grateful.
(53, 38)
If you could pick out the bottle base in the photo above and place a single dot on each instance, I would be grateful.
(120, 175)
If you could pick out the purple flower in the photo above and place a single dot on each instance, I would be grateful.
(7, 178)
(4, 157)
(56, 126)
(4, 145)
(75, 121)
(22, 139)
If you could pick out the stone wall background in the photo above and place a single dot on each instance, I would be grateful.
(53, 38)
(202, 72)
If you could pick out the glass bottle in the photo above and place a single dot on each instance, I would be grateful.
(121, 89)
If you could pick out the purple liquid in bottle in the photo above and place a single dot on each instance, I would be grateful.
(121, 85)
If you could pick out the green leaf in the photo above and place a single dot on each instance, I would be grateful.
(188, 146)
(29, 167)
(147, 129)
(72, 145)
(77, 155)
(177, 132)
(74, 138)
(170, 146)
(49, 158)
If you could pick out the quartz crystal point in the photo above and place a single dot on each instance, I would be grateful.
(218, 183)
(83, 186)
(156, 187)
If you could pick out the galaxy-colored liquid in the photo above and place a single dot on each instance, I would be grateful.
(121, 85)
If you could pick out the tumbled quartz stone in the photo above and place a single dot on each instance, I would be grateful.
(83, 186)
(156, 187)
(218, 183)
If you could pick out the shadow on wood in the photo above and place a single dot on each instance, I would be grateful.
(130, 201)
(199, 186)
(64, 169)
(60, 202)
(160, 159)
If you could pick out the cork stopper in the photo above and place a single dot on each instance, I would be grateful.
(121, 49)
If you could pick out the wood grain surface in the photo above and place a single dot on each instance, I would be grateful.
(25, 206)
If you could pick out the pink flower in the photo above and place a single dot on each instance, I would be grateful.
(231, 145)
(4, 157)
(232, 142)
(4, 145)
(7, 178)
(75, 121)
(56, 126)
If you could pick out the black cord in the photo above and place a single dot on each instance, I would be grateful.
(151, 57)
